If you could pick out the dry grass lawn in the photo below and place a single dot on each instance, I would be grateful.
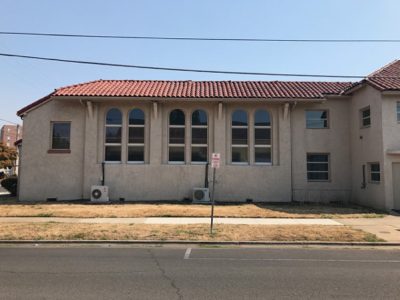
(63, 231)
(184, 210)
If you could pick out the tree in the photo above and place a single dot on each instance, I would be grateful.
(8, 156)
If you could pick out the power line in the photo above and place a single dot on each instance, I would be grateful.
(9, 122)
(184, 69)
(183, 38)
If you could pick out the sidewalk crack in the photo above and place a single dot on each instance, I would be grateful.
(165, 276)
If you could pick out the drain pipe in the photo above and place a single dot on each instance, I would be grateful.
(291, 150)
(206, 176)
(103, 173)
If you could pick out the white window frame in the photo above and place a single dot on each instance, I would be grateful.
(326, 119)
(362, 118)
(370, 172)
(191, 137)
(262, 146)
(177, 145)
(143, 145)
(317, 162)
(105, 136)
(240, 145)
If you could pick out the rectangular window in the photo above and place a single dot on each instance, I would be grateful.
(262, 144)
(398, 111)
(316, 119)
(317, 167)
(60, 136)
(239, 144)
(365, 115)
(199, 143)
(136, 143)
(374, 172)
(176, 143)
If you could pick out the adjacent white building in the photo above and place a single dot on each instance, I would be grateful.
(279, 141)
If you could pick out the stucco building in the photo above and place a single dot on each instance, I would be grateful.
(279, 141)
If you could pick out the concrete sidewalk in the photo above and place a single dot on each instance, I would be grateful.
(387, 228)
(169, 220)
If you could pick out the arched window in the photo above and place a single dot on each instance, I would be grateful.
(239, 137)
(113, 135)
(262, 137)
(136, 125)
(176, 142)
(199, 136)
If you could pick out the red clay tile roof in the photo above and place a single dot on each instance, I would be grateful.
(203, 89)
(386, 84)
(197, 89)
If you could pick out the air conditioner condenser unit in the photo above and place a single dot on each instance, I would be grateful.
(201, 195)
(99, 193)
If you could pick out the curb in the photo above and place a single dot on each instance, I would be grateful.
(186, 242)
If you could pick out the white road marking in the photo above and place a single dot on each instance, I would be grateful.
(187, 253)
(296, 259)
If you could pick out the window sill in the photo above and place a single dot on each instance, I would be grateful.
(262, 164)
(113, 162)
(59, 151)
(201, 163)
(135, 162)
(240, 164)
(321, 181)
(176, 163)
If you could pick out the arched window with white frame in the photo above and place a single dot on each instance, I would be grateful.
(199, 144)
(176, 136)
(113, 135)
(262, 137)
(136, 137)
(239, 137)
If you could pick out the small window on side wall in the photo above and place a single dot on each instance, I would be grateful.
(398, 111)
(60, 135)
(317, 119)
(317, 167)
(374, 172)
(365, 117)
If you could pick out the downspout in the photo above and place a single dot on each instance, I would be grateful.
(291, 152)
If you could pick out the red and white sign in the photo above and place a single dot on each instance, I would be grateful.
(215, 160)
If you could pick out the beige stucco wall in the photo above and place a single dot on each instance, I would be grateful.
(70, 176)
(44, 175)
(333, 140)
(367, 147)
(391, 141)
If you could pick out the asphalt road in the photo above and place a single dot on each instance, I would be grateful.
(198, 273)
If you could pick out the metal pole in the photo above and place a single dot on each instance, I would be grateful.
(212, 202)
